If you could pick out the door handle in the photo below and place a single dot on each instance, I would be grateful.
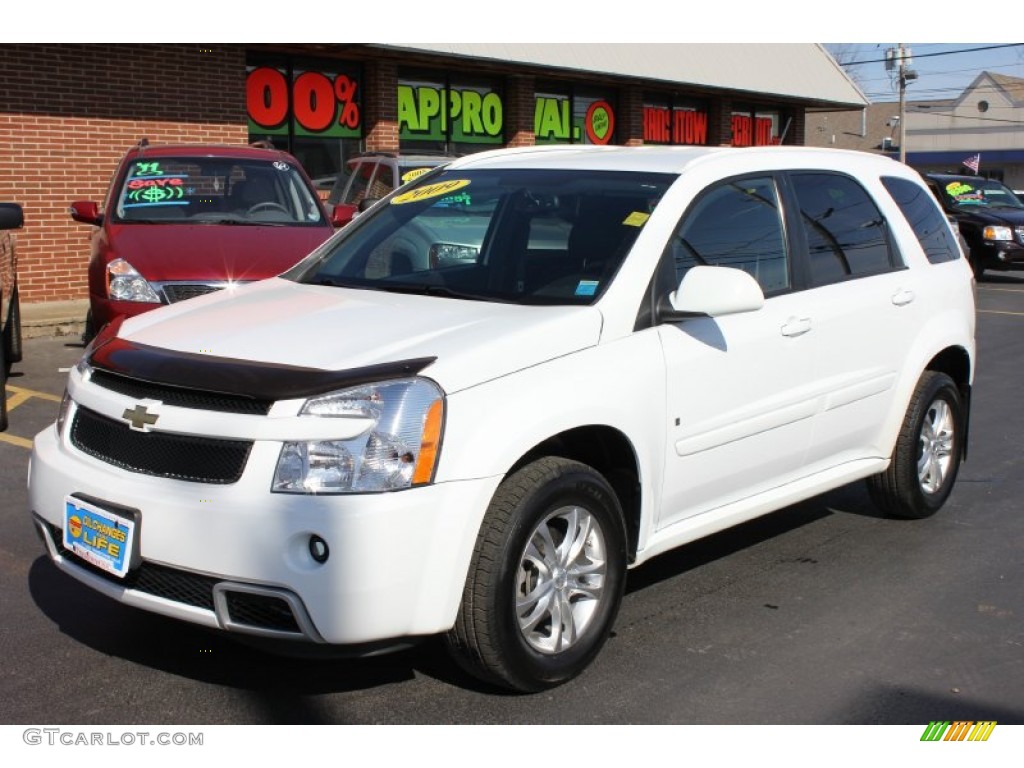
(901, 298)
(796, 326)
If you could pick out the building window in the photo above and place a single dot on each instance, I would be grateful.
(567, 115)
(753, 127)
(311, 109)
(670, 120)
(452, 114)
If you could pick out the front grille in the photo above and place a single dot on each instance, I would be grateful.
(158, 580)
(1020, 235)
(180, 292)
(161, 454)
(263, 611)
(183, 398)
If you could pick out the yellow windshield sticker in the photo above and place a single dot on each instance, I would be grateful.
(440, 189)
(958, 188)
(636, 219)
(415, 173)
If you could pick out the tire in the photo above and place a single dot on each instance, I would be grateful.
(89, 331)
(3, 390)
(928, 452)
(522, 575)
(12, 332)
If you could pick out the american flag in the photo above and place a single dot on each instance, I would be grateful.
(973, 162)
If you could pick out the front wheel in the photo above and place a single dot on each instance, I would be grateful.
(928, 451)
(546, 578)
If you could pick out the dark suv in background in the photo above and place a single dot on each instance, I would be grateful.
(990, 216)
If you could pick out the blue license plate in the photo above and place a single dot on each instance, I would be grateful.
(98, 536)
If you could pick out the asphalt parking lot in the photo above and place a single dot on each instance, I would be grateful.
(823, 613)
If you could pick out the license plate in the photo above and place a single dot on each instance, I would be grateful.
(98, 536)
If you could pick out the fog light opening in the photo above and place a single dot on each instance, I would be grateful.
(318, 549)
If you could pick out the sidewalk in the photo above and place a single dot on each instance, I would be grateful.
(53, 318)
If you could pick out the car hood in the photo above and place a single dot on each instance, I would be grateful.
(1013, 217)
(212, 251)
(286, 323)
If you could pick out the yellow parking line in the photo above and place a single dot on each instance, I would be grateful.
(27, 393)
(15, 440)
(1002, 290)
(998, 312)
(16, 399)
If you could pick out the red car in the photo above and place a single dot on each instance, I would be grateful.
(182, 221)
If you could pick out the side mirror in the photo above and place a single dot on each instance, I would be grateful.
(86, 212)
(711, 292)
(342, 214)
(11, 216)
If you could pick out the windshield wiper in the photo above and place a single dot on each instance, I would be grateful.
(427, 289)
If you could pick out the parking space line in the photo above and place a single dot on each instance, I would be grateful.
(998, 312)
(27, 393)
(1001, 290)
(21, 442)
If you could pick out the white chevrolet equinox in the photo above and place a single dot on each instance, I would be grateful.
(471, 411)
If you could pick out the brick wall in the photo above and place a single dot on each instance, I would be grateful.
(68, 113)
(380, 99)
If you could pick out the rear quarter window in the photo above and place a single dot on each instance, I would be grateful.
(923, 215)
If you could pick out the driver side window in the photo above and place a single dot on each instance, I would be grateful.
(736, 224)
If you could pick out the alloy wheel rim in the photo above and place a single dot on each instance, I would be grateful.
(935, 455)
(560, 579)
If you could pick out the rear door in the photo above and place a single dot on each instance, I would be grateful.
(866, 309)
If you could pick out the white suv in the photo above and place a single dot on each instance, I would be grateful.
(474, 409)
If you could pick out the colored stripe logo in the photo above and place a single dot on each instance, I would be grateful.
(958, 730)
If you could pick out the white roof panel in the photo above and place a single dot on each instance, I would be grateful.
(795, 70)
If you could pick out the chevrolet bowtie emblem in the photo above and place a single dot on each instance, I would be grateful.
(139, 417)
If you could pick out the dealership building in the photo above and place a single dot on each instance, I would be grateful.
(69, 111)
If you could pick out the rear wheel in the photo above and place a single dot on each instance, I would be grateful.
(12, 332)
(927, 455)
(546, 578)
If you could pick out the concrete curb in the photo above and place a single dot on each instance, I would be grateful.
(53, 318)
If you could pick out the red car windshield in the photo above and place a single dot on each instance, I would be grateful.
(196, 190)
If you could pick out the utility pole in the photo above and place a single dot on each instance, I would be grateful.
(899, 60)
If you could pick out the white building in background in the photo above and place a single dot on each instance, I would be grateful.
(986, 119)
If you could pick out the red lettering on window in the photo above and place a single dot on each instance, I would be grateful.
(314, 101)
(266, 97)
(763, 128)
(656, 124)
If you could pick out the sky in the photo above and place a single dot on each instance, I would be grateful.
(943, 69)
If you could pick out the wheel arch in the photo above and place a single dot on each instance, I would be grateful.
(955, 362)
(611, 453)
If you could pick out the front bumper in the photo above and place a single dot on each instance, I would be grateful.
(1002, 254)
(237, 557)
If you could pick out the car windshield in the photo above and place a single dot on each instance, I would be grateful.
(205, 190)
(532, 237)
(978, 193)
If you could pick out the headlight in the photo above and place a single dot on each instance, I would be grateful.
(997, 233)
(398, 450)
(62, 413)
(124, 283)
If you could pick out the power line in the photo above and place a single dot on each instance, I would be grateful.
(937, 53)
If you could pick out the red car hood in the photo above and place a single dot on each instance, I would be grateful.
(212, 251)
